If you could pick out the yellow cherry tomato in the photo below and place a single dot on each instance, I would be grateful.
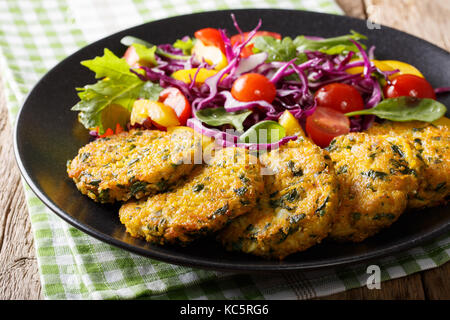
(211, 54)
(186, 75)
(158, 112)
(291, 124)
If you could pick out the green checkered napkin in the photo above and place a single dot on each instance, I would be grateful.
(34, 36)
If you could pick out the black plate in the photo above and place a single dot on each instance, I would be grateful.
(48, 134)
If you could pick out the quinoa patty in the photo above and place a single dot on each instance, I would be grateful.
(297, 209)
(209, 198)
(376, 175)
(133, 164)
(432, 145)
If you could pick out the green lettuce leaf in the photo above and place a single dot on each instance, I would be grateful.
(146, 55)
(117, 87)
(186, 46)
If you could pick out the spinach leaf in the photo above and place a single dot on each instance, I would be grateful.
(405, 109)
(219, 116)
(267, 131)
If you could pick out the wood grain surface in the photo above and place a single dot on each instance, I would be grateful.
(19, 278)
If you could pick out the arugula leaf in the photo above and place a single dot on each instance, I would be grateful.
(119, 87)
(277, 50)
(287, 49)
(219, 116)
(335, 45)
(405, 109)
(186, 46)
(267, 131)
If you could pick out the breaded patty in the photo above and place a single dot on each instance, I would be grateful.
(210, 197)
(297, 209)
(432, 145)
(376, 175)
(133, 164)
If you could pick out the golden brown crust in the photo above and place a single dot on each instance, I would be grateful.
(297, 208)
(432, 145)
(132, 164)
(205, 202)
(377, 175)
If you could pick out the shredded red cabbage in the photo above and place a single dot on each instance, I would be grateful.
(442, 90)
(295, 84)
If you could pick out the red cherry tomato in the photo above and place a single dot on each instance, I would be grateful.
(340, 97)
(248, 49)
(119, 128)
(253, 86)
(131, 57)
(210, 37)
(175, 99)
(325, 124)
(409, 85)
(108, 132)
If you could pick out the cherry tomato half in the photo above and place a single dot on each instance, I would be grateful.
(340, 97)
(248, 49)
(175, 99)
(253, 86)
(210, 37)
(131, 57)
(325, 124)
(409, 85)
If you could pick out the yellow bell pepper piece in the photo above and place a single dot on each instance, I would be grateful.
(291, 124)
(403, 67)
(212, 55)
(158, 112)
(389, 65)
(379, 64)
(186, 75)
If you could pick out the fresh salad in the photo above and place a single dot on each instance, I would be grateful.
(254, 89)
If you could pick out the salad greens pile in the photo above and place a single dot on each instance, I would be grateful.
(297, 67)
(117, 86)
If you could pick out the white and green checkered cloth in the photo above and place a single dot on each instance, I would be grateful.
(34, 36)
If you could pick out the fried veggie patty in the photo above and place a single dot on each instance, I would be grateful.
(133, 164)
(297, 209)
(376, 175)
(205, 202)
(432, 146)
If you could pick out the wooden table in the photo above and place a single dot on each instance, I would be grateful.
(19, 277)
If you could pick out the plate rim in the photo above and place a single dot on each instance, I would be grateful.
(195, 262)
